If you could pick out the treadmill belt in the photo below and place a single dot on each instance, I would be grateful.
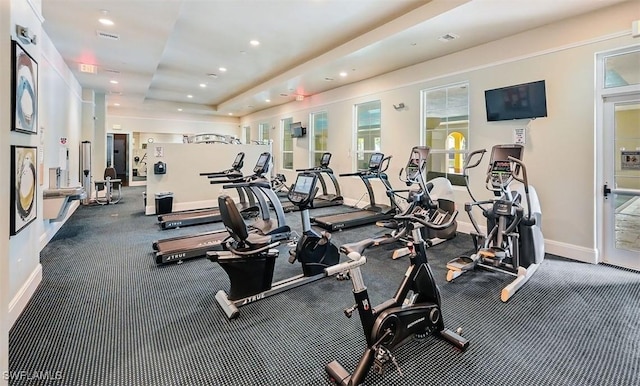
(174, 220)
(188, 247)
(350, 219)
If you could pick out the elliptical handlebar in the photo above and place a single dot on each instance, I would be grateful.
(418, 215)
(468, 159)
(524, 180)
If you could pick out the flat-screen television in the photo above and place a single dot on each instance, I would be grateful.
(297, 130)
(522, 101)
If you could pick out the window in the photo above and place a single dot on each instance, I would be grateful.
(247, 134)
(263, 133)
(287, 143)
(320, 135)
(445, 117)
(622, 69)
(367, 132)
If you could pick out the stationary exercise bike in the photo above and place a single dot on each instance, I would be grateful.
(250, 257)
(513, 243)
(414, 311)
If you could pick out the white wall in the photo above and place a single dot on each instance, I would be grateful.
(563, 54)
(5, 121)
(59, 116)
(185, 162)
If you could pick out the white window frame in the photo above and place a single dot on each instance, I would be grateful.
(356, 125)
(312, 137)
(448, 127)
(264, 136)
(285, 135)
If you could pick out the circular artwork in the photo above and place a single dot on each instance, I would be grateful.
(26, 94)
(26, 187)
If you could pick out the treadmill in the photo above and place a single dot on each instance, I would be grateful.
(325, 199)
(188, 247)
(210, 215)
(371, 213)
(321, 200)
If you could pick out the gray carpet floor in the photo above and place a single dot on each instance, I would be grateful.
(105, 314)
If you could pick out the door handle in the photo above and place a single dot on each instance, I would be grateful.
(606, 190)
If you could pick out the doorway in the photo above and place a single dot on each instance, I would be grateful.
(618, 157)
(121, 157)
(621, 231)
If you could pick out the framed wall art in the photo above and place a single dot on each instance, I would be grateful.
(24, 100)
(23, 187)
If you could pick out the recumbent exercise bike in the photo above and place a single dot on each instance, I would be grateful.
(250, 257)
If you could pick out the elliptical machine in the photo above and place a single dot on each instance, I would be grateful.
(413, 311)
(513, 243)
(438, 192)
(250, 257)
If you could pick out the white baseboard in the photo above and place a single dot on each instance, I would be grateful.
(19, 302)
(570, 251)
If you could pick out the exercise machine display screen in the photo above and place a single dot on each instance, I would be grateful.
(238, 160)
(304, 184)
(262, 162)
(501, 167)
(375, 160)
(326, 157)
(502, 153)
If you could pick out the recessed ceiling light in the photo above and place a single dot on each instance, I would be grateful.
(203, 85)
(116, 104)
(343, 74)
(222, 69)
(189, 96)
(254, 43)
(230, 113)
(267, 100)
(105, 21)
(179, 109)
(113, 81)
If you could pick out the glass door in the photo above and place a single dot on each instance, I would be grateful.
(622, 181)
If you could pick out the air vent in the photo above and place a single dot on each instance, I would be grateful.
(448, 37)
(111, 71)
(107, 35)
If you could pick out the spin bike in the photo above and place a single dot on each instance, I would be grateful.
(414, 311)
(514, 244)
(250, 257)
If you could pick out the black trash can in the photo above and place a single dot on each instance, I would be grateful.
(164, 202)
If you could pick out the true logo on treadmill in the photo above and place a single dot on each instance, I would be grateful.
(253, 298)
(176, 256)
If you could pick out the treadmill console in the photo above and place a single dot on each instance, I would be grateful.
(324, 161)
(375, 161)
(238, 162)
(262, 166)
(303, 190)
